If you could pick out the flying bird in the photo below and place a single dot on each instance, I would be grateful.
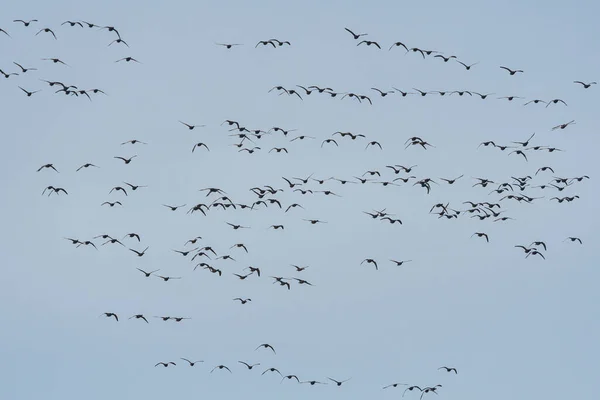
(512, 71)
(355, 35)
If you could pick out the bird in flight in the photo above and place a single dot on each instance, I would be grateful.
(192, 363)
(228, 45)
(512, 71)
(355, 35)
(46, 30)
(585, 85)
(25, 23)
(449, 369)
(266, 346)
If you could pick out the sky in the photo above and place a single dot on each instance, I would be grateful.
(513, 327)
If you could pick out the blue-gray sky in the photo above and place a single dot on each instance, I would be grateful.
(513, 327)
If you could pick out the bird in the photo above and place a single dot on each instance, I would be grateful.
(249, 366)
(355, 35)
(272, 369)
(370, 43)
(264, 43)
(338, 383)
(25, 23)
(126, 160)
(555, 101)
(140, 253)
(46, 30)
(110, 314)
(192, 363)
(174, 208)
(451, 181)
(23, 69)
(467, 67)
(56, 61)
(512, 71)
(165, 364)
(128, 59)
(242, 301)
(220, 367)
(481, 234)
(228, 45)
(399, 263)
(72, 23)
(573, 239)
(133, 141)
(147, 274)
(266, 346)
(51, 166)
(449, 369)
(139, 316)
(585, 85)
(370, 261)
(118, 40)
(198, 145)
(191, 127)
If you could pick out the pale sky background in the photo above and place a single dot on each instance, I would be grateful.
(514, 327)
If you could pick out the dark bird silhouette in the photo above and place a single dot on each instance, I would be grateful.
(449, 369)
(370, 261)
(72, 23)
(55, 61)
(446, 59)
(192, 363)
(370, 43)
(46, 30)
(467, 67)
(481, 234)
(266, 346)
(110, 314)
(147, 274)
(8, 75)
(139, 316)
(174, 208)
(249, 366)
(555, 101)
(399, 263)
(242, 301)
(23, 69)
(373, 143)
(512, 71)
(563, 126)
(140, 253)
(112, 204)
(51, 166)
(118, 41)
(397, 44)
(220, 367)
(126, 160)
(451, 181)
(128, 59)
(585, 85)
(191, 127)
(164, 364)
(338, 383)
(265, 42)
(200, 144)
(25, 23)
(228, 45)
(573, 239)
(355, 35)
(272, 369)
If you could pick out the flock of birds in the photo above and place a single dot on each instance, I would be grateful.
(218, 258)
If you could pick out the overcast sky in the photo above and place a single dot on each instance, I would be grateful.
(514, 327)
